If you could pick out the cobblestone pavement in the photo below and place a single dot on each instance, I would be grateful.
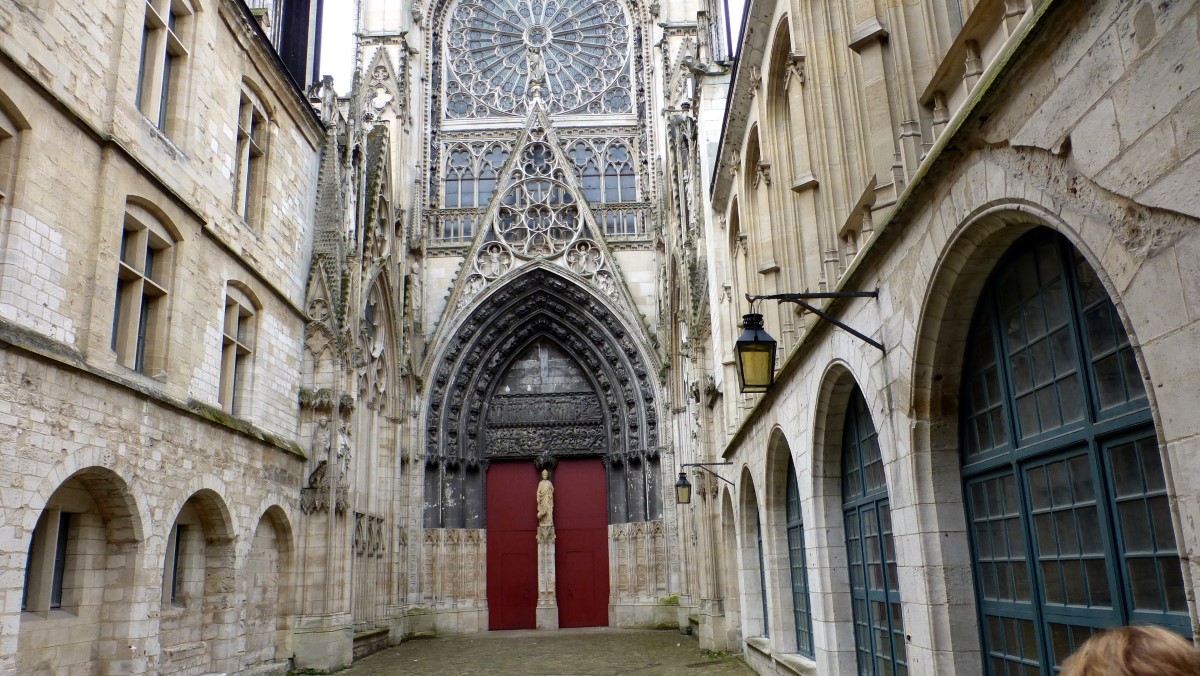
(600, 650)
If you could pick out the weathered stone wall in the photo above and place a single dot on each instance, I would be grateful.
(142, 460)
(78, 156)
(1077, 134)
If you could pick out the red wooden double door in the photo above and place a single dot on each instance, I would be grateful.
(581, 545)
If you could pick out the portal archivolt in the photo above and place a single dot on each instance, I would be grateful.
(596, 399)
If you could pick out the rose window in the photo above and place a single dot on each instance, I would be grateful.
(500, 54)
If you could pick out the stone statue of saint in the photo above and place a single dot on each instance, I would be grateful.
(536, 66)
(545, 500)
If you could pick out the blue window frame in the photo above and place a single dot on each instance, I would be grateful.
(762, 582)
(1065, 492)
(870, 550)
(795, 538)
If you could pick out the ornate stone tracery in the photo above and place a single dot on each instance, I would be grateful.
(502, 53)
(469, 421)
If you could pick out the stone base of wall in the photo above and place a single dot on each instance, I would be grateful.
(272, 669)
(323, 643)
(370, 641)
(714, 634)
(449, 621)
(647, 615)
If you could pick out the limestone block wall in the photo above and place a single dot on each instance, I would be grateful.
(74, 442)
(59, 271)
(1065, 134)
(125, 451)
(454, 579)
(637, 574)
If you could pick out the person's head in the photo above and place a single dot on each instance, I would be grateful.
(545, 474)
(1134, 651)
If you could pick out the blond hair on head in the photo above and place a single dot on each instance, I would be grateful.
(1135, 651)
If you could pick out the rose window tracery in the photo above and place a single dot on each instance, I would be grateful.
(538, 216)
(500, 54)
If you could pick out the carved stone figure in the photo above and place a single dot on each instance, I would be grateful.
(545, 500)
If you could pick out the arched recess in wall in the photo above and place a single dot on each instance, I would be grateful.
(79, 577)
(197, 581)
(795, 229)
(852, 502)
(737, 281)
(378, 378)
(269, 595)
(732, 587)
(941, 345)
(1064, 484)
(784, 538)
(756, 617)
(756, 222)
(12, 126)
(472, 416)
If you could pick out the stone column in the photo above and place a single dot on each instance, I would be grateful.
(547, 605)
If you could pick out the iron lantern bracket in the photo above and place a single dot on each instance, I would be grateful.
(802, 299)
(705, 466)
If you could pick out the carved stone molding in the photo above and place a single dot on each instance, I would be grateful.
(539, 305)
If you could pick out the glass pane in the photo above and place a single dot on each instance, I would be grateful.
(1172, 581)
(1143, 582)
(1151, 463)
(1091, 290)
(1097, 578)
(1073, 584)
(1065, 639)
(1052, 583)
(1101, 338)
(1160, 514)
(1089, 531)
(1028, 415)
(1070, 398)
(1060, 484)
(1039, 488)
(1125, 465)
(1109, 384)
(1081, 478)
(1055, 299)
(1135, 527)
(1022, 380)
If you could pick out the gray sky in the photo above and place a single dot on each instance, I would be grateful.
(337, 43)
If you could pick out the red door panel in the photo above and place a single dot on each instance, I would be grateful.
(581, 547)
(512, 545)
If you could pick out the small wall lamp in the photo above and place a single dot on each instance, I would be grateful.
(683, 487)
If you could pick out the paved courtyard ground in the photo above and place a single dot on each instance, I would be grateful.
(566, 652)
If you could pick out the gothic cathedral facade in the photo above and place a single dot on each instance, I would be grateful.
(289, 375)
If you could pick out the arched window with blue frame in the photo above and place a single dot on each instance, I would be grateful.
(1066, 497)
(796, 563)
(870, 549)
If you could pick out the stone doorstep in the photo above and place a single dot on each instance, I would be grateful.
(370, 633)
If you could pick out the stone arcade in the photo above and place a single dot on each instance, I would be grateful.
(280, 370)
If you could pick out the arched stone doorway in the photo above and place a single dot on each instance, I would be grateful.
(544, 374)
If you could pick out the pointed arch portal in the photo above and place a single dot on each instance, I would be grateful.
(542, 374)
(541, 370)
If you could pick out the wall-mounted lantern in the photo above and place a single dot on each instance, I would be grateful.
(755, 349)
(683, 487)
